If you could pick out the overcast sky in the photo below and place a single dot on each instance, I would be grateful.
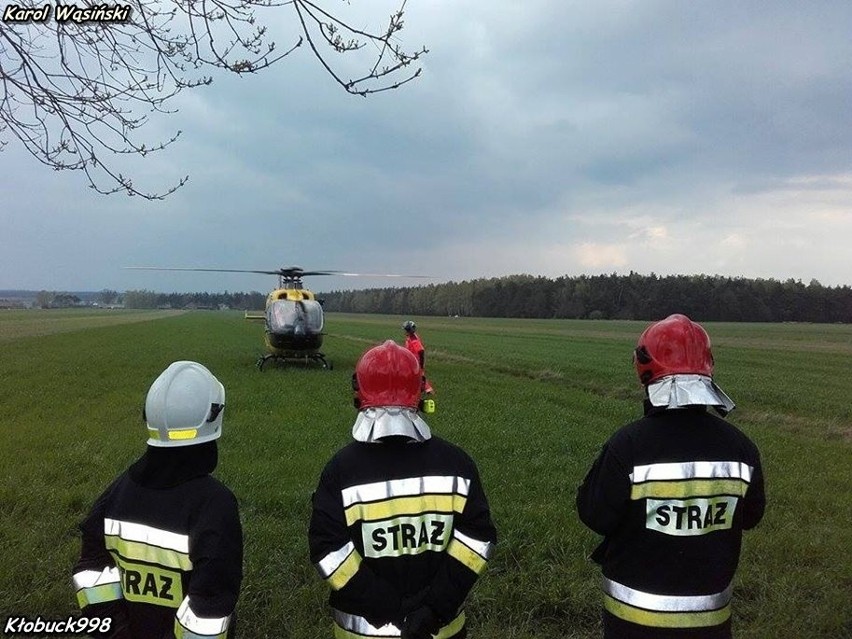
(546, 137)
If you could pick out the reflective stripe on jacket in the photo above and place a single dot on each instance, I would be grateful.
(666, 611)
(349, 626)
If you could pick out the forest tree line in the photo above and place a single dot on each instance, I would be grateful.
(630, 297)
(143, 298)
(151, 299)
(633, 296)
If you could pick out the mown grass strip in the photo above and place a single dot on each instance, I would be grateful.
(34, 323)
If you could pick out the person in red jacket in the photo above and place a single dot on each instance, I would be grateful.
(400, 527)
(672, 493)
(415, 345)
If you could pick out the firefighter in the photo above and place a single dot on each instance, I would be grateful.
(671, 494)
(162, 548)
(400, 527)
(415, 345)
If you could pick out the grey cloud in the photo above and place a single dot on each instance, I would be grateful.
(526, 114)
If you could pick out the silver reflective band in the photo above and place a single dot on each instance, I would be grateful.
(331, 562)
(92, 578)
(360, 626)
(692, 470)
(413, 486)
(209, 627)
(667, 603)
(149, 535)
(482, 548)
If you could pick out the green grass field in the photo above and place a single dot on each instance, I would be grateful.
(531, 400)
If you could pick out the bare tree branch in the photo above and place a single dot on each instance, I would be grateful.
(75, 93)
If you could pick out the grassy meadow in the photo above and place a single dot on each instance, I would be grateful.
(531, 400)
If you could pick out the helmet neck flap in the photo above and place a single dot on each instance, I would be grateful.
(679, 391)
(373, 424)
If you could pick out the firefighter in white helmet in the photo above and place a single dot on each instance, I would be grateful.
(672, 493)
(400, 528)
(162, 547)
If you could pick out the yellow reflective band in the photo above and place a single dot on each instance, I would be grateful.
(189, 626)
(183, 633)
(345, 571)
(150, 584)
(189, 433)
(483, 548)
(97, 586)
(332, 560)
(405, 506)
(138, 551)
(406, 535)
(689, 488)
(451, 629)
(690, 517)
(466, 556)
(99, 594)
(666, 619)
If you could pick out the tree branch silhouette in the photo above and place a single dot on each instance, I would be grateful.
(77, 94)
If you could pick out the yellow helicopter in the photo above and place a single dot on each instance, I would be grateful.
(293, 317)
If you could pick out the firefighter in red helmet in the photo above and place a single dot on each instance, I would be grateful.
(671, 494)
(400, 527)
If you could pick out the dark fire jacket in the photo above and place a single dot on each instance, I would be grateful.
(397, 524)
(162, 550)
(671, 494)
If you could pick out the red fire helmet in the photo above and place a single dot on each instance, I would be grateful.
(675, 345)
(387, 375)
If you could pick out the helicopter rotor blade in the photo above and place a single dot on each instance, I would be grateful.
(291, 271)
(382, 275)
(347, 274)
(209, 270)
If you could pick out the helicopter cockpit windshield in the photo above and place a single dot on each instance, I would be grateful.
(303, 317)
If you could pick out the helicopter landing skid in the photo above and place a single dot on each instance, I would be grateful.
(300, 359)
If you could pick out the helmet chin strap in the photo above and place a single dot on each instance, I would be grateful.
(372, 424)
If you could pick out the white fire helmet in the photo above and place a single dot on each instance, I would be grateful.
(184, 406)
